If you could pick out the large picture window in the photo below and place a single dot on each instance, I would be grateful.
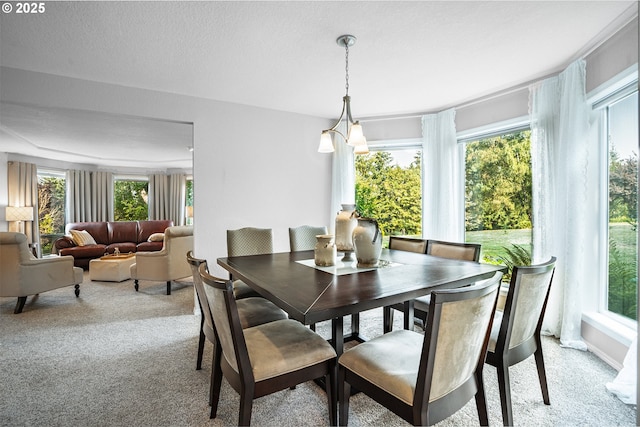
(51, 202)
(498, 196)
(389, 188)
(131, 199)
(621, 125)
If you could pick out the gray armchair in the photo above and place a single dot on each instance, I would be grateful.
(24, 275)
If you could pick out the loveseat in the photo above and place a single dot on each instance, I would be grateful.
(127, 236)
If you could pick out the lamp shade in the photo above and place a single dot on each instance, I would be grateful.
(189, 211)
(326, 143)
(19, 213)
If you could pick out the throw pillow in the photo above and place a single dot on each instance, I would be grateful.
(156, 237)
(82, 237)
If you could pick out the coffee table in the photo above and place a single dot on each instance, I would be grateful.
(111, 268)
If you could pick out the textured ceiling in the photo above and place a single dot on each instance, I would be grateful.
(410, 57)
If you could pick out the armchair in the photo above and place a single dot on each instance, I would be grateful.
(24, 275)
(167, 264)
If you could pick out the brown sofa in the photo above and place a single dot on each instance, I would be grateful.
(127, 236)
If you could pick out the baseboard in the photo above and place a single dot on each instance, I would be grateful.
(606, 339)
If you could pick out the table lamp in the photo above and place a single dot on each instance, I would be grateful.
(19, 214)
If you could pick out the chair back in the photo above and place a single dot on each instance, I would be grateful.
(14, 251)
(227, 324)
(177, 241)
(408, 244)
(303, 238)
(205, 309)
(456, 337)
(454, 250)
(249, 241)
(526, 303)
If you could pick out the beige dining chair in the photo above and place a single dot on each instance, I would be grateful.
(248, 241)
(251, 311)
(266, 358)
(303, 238)
(425, 378)
(439, 248)
(515, 334)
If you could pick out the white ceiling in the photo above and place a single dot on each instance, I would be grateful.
(410, 57)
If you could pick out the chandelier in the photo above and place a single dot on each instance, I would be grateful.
(355, 137)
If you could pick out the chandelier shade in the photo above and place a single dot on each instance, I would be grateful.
(355, 136)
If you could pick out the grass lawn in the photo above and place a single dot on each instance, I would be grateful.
(494, 242)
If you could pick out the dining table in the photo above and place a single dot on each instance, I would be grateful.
(312, 294)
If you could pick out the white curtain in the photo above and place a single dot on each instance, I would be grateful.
(167, 197)
(89, 196)
(559, 151)
(22, 186)
(343, 179)
(443, 184)
(624, 385)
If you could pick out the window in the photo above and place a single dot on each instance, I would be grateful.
(389, 187)
(621, 126)
(51, 205)
(498, 196)
(189, 201)
(131, 198)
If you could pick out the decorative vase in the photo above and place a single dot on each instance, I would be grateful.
(325, 251)
(367, 241)
(346, 222)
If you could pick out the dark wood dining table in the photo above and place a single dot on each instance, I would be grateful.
(311, 295)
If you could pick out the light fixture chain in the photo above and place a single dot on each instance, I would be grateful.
(346, 67)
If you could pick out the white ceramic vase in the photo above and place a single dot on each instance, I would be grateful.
(325, 252)
(346, 222)
(367, 241)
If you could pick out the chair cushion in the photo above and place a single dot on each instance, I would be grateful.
(242, 290)
(389, 361)
(256, 311)
(284, 346)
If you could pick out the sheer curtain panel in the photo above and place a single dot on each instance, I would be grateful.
(443, 185)
(559, 160)
(343, 178)
(167, 197)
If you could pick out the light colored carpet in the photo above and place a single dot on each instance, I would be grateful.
(114, 357)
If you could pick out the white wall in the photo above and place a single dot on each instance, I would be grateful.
(4, 191)
(252, 167)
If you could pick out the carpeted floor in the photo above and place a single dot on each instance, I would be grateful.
(114, 357)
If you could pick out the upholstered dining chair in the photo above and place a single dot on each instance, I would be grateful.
(22, 274)
(248, 241)
(167, 264)
(427, 378)
(303, 238)
(251, 311)
(515, 334)
(267, 358)
(408, 244)
(443, 249)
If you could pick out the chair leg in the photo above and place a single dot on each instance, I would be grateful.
(20, 305)
(541, 373)
(136, 285)
(330, 388)
(77, 290)
(168, 287)
(408, 315)
(200, 345)
(216, 380)
(246, 404)
(344, 392)
(481, 401)
(387, 319)
(505, 393)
